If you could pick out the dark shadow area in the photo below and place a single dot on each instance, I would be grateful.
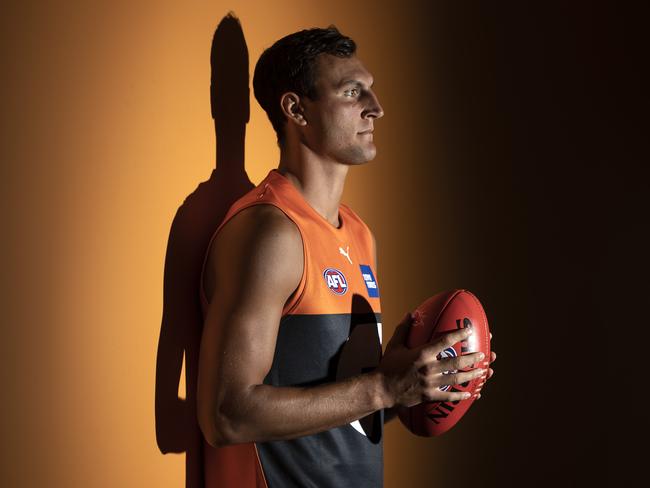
(522, 93)
(195, 221)
(357, 357)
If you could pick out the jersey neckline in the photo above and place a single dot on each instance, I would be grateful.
(299, 196)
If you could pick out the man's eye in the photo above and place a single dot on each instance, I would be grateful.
(352, 91)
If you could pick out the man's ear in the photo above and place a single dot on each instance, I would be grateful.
(293, 108)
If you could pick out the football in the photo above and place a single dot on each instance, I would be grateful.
(443, 313)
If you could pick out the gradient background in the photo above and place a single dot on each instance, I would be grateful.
(490, 176)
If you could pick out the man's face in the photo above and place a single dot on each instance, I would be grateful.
(341, 119)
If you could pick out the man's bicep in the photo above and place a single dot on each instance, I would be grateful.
(257, 264)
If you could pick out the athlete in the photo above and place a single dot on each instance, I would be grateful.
(293, 387)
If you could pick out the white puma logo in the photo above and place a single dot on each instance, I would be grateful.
(346, 253)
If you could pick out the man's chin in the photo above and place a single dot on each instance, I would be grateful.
(356, 156)
(364, 156)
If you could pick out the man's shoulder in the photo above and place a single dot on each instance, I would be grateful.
(260, 224)
(265, 216)
(258, 244)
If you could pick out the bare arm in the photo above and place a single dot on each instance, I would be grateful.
(255, 264)
(253, 268)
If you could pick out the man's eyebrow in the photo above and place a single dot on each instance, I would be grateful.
(354, 82)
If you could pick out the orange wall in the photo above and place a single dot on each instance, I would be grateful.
(107, 128)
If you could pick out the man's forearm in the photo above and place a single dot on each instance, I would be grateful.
(268, 413)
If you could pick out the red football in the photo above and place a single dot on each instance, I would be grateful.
(440, 314)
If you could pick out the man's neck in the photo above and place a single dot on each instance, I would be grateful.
(321, 182)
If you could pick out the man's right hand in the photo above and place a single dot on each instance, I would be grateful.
(411, 376)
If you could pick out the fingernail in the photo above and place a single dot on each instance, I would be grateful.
(481, 356)
(467, 395)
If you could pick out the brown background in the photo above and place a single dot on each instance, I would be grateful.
(490, 175)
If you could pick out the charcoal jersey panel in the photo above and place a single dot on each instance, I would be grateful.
(330, 330)
(313, 350)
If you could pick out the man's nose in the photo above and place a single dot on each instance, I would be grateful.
(374, 109)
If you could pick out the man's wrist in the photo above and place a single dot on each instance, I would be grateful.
(380, 395)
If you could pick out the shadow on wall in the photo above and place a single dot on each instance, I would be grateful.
(195, 221)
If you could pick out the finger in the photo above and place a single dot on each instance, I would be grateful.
(478, 396)
(460, 377)
(429, 352)
(442, 379)
(490, 373)
(490, 335)
(493, 356)
(448, 396)
(460, 362)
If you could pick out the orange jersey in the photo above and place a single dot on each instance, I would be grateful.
(330, 330)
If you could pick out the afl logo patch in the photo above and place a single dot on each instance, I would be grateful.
(335, 281)
(450, 352)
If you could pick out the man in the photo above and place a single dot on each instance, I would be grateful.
(292, 386)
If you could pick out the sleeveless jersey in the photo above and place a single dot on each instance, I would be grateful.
(330, 330)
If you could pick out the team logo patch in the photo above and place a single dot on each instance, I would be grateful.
(450, 352)
(335, 281)
(369, 280)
